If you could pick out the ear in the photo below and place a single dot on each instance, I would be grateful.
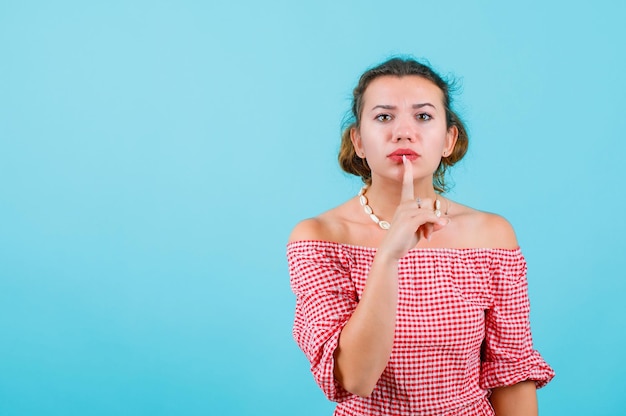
(355, 137)
(451, 136)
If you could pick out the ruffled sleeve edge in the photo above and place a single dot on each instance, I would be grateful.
(500, 374)
(324, 371)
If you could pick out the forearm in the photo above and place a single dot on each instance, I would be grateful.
(517, 400)
(366, 341)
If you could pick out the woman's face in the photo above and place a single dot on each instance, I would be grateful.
(403, 115)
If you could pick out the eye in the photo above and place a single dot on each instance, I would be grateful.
(383, 117)
(424, 116)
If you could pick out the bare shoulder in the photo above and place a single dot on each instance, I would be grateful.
(485, 229)
(328, 226)
(499, 231)
(309, 229)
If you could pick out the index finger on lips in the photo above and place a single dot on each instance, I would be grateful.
(407, 180)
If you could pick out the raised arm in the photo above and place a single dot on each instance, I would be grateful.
(366, 341)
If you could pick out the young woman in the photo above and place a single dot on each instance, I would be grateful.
(409, 303)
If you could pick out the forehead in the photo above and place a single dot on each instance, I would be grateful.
(392, 89)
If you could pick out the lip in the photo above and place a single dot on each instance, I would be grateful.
(397, 154)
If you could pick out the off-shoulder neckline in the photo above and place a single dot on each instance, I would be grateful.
(413, 250)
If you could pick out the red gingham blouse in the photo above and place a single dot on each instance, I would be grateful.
(462, 326)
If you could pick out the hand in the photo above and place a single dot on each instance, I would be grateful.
(410, 222)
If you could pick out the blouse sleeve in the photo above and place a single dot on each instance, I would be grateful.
(508, 354)
(325, 300)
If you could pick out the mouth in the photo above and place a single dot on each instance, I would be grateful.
(396, 156)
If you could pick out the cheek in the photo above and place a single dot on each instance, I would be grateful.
(371, 146)
(374, 136)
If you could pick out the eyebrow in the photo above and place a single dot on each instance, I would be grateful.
(393, 107)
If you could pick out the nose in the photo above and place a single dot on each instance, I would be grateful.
(404, 130)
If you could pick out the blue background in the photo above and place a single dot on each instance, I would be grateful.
(154, 156)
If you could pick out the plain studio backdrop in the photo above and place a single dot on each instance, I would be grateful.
(154, 156)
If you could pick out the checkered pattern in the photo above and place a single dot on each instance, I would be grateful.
(462, 326)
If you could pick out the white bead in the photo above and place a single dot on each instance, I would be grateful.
(385, 225)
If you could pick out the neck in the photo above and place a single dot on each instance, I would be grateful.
(384, 196)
